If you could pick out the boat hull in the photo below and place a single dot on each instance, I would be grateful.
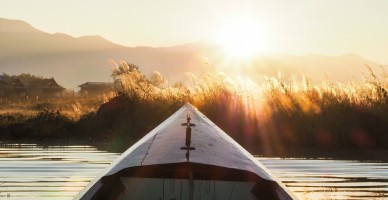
(166, 164)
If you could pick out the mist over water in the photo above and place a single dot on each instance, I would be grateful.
(28, 171)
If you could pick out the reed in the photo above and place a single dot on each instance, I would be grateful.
(276, 114)
(270, 115)
(71, 106)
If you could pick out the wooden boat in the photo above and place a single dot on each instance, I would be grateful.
(186, 157)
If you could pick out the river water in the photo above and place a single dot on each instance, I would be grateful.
(28, 171)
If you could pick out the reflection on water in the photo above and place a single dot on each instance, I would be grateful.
(56, 172)
(331, 179)
(59, 172)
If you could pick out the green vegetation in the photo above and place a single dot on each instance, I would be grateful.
(272, 116)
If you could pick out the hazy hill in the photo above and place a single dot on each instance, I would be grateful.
(72, 61)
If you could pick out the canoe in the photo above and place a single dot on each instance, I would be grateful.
(186, 157)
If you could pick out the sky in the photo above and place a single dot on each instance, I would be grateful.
(329, 27)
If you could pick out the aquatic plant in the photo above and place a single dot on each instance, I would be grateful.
(276, 114)
(271, 115)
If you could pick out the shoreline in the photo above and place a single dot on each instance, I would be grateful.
(378, 155)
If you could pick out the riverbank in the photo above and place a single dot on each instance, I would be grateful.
(120, 122)
(299, 153)
(270, 118)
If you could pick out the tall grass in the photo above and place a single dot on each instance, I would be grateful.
(278, 114)
(71, 106)
(53, 118)
(270, 115)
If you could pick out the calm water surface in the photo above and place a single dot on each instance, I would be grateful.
(57, 172)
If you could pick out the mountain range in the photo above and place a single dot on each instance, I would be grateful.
(75, 60)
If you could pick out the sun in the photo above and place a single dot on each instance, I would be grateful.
(241, 38)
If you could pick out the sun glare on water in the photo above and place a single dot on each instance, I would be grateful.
(241, 39)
